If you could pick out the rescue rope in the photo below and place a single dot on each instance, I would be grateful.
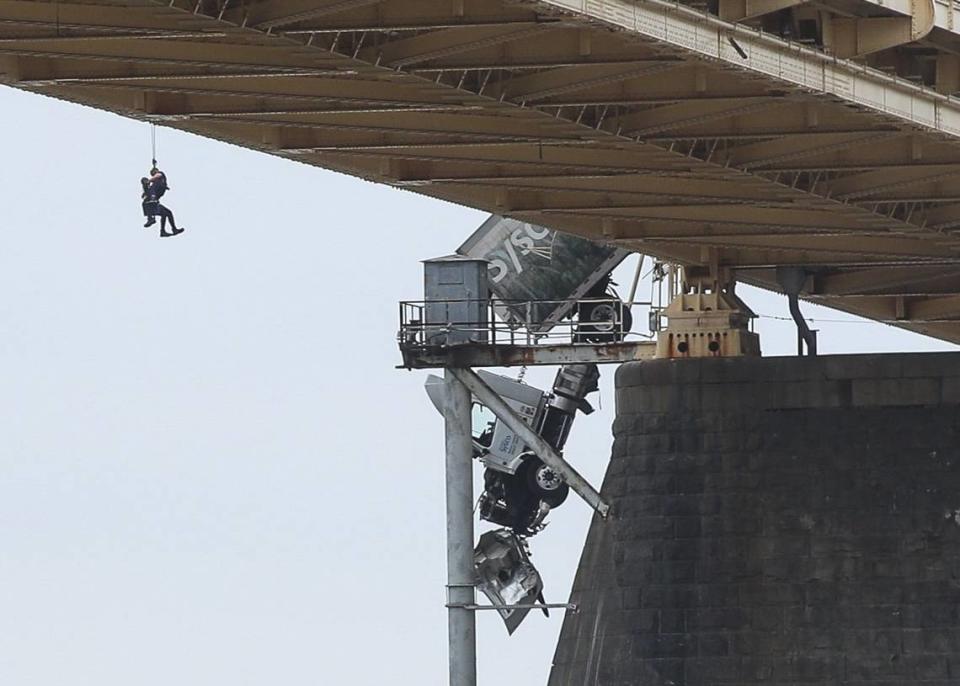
(153, 143)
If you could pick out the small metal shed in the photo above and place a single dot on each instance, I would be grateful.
(457, 296)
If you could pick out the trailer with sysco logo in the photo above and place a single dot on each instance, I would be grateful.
(564, 276)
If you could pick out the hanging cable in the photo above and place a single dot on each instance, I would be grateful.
(153, 143)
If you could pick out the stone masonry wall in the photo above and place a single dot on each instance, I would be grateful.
(775, 521)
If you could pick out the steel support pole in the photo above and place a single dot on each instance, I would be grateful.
(636, 282)
(461, 622)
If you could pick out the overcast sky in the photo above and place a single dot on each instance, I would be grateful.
(210, 471)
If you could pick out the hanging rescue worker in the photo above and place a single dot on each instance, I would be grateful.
(153, 189)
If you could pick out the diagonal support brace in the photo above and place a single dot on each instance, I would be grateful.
(486, 395)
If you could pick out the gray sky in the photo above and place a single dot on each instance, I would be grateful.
(210, 471)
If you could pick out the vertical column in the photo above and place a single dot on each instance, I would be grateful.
(460, 570)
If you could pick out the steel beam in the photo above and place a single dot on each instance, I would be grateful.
(312, 13)
(889, 281)
(549, 83)
(527, 355)
(447, 42)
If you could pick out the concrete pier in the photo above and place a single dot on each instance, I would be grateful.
(775, 521)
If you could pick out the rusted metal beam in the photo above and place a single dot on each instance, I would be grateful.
(477, 355)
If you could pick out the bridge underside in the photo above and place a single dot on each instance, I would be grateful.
(658, 127)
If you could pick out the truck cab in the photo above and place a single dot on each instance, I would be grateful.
(519, 489)
(494, 443)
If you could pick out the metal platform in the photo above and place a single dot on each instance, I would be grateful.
(495, 342)
(482, 355)
(780, 134)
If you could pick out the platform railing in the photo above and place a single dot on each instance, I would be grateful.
(511, 322)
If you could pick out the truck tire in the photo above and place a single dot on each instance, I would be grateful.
(605, 322)
(544, 483)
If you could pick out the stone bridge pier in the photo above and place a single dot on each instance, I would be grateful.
(775, 521)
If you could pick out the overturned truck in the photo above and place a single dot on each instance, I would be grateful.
(519, 489)
(539, 278)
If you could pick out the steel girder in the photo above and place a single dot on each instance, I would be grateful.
(656, 126)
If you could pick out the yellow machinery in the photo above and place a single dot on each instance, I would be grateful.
(707, 318)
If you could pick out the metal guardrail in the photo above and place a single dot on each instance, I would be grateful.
(498, 337)
(514, 322)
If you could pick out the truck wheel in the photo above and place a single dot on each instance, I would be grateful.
(545, 483)
(605, 322)
(627, 325)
